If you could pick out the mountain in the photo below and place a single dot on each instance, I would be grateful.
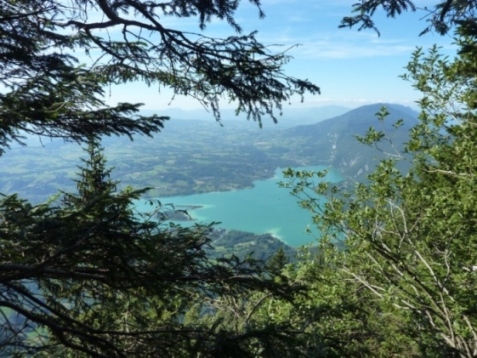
(334, 142)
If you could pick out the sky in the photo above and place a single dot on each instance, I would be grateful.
(351, 67)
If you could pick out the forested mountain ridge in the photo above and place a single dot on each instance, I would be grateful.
(334, 141)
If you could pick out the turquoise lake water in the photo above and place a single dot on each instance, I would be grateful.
(265, 208)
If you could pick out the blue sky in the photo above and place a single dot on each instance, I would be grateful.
(352, 68)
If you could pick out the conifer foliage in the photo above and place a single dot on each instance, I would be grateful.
(58, 58)
(441, 16)
(89, 276)
(83, 274)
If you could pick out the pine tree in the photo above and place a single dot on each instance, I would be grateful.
(86, 275)
(50, 91)
(442, 16)
(96, 279)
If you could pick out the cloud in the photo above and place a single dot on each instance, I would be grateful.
(344, 45)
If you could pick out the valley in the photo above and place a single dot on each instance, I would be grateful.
(190, 159)
(198, 156)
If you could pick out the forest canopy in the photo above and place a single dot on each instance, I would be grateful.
(409, 237)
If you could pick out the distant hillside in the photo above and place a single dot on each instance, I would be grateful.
(334, 142)
(197, 156)
(291, 116)
(241, 244)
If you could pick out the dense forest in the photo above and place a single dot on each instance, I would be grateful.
(83, 275)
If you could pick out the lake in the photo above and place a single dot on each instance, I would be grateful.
(265, 208)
